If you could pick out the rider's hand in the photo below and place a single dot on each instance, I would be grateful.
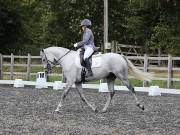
(75, 45)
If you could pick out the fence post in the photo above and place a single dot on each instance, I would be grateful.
(28, 66)
(145, 67)
(1, 66)
(170, 71)
(114, 46)
(63, 77)
(12, 67)
(159, 55)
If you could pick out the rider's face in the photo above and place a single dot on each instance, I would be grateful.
(83, 28)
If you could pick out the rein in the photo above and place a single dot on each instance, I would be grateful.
(63, 56)
(56, 61)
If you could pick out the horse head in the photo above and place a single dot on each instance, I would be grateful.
(48, 60)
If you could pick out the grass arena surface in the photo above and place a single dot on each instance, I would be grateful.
(30, 111)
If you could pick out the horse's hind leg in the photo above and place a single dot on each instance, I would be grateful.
(110, 82)
(80, 91)
(65, 92)
(131, 88)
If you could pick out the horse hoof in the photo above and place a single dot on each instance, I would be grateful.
(142, 108)
(57, 110)
(95, 109)
(103, 111)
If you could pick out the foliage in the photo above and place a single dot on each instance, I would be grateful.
(10, 25)
(30, 25)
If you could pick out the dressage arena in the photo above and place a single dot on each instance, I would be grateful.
(29, 111)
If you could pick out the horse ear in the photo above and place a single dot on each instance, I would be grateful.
(41, 52)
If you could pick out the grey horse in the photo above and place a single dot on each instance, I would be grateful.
(112, 66)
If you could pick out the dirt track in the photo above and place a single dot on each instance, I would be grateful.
(26, 111)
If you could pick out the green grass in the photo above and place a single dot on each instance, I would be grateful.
(176, 85)
(36, 69)
(54, 78)
(161, 84)
(134, 82)
(32, 78)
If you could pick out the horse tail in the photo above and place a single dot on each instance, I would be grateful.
(144, 76)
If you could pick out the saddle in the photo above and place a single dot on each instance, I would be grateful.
(82, 62)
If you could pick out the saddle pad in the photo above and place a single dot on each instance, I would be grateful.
(96, 61)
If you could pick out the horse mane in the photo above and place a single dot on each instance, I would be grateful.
(52, 48)
(56, 51)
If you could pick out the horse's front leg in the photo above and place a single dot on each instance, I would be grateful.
(65, 92)
(80, 91)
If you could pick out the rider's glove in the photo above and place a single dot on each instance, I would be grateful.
(75, 45)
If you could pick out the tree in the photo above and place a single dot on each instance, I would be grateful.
(30, 25)
(11, 29)
(68, 16)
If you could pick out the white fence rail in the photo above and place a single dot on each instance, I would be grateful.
(10, 62)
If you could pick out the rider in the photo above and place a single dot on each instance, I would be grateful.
(87, 43)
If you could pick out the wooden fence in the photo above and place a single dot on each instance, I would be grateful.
(134, 50)
(126, 49)
(9, 61)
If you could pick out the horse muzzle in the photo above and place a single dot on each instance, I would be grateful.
(48, 69)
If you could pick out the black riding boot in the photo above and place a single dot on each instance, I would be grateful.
(88, 66)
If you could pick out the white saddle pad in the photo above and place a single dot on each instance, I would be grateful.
(96, 61)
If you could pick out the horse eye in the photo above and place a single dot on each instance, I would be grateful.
(43, 60)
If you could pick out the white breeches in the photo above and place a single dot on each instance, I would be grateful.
(88, 52)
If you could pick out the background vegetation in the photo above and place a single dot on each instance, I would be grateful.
(26, 26)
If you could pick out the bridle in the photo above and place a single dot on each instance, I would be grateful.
(48, 66)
